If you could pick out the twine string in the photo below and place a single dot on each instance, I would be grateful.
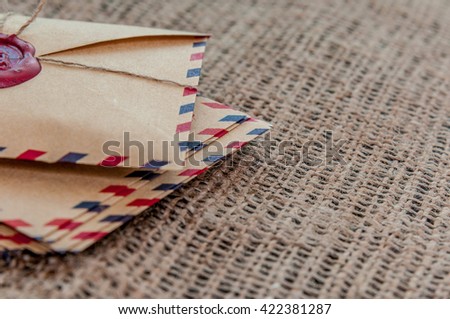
(94, 68)
(79, 65)
(33, 17)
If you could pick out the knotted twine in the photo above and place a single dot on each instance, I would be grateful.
(33, 17)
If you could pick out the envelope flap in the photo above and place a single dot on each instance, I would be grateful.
(53, 35)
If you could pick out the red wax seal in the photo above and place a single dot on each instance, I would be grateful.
(17, 61)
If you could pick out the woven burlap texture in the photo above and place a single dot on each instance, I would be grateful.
(374, 74)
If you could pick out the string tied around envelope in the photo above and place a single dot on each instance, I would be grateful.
(33, 17)
(30, 20)
(95, 68)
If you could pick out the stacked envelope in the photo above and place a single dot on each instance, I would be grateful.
(110, 126)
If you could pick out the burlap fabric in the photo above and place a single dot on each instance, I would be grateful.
(375, 74)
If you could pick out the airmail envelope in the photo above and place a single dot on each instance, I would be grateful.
(99, 82)
(98, 88)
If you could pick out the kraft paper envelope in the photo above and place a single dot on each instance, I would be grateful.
(97, 82)
(108, 220)
(34, 196)
(71, 233)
